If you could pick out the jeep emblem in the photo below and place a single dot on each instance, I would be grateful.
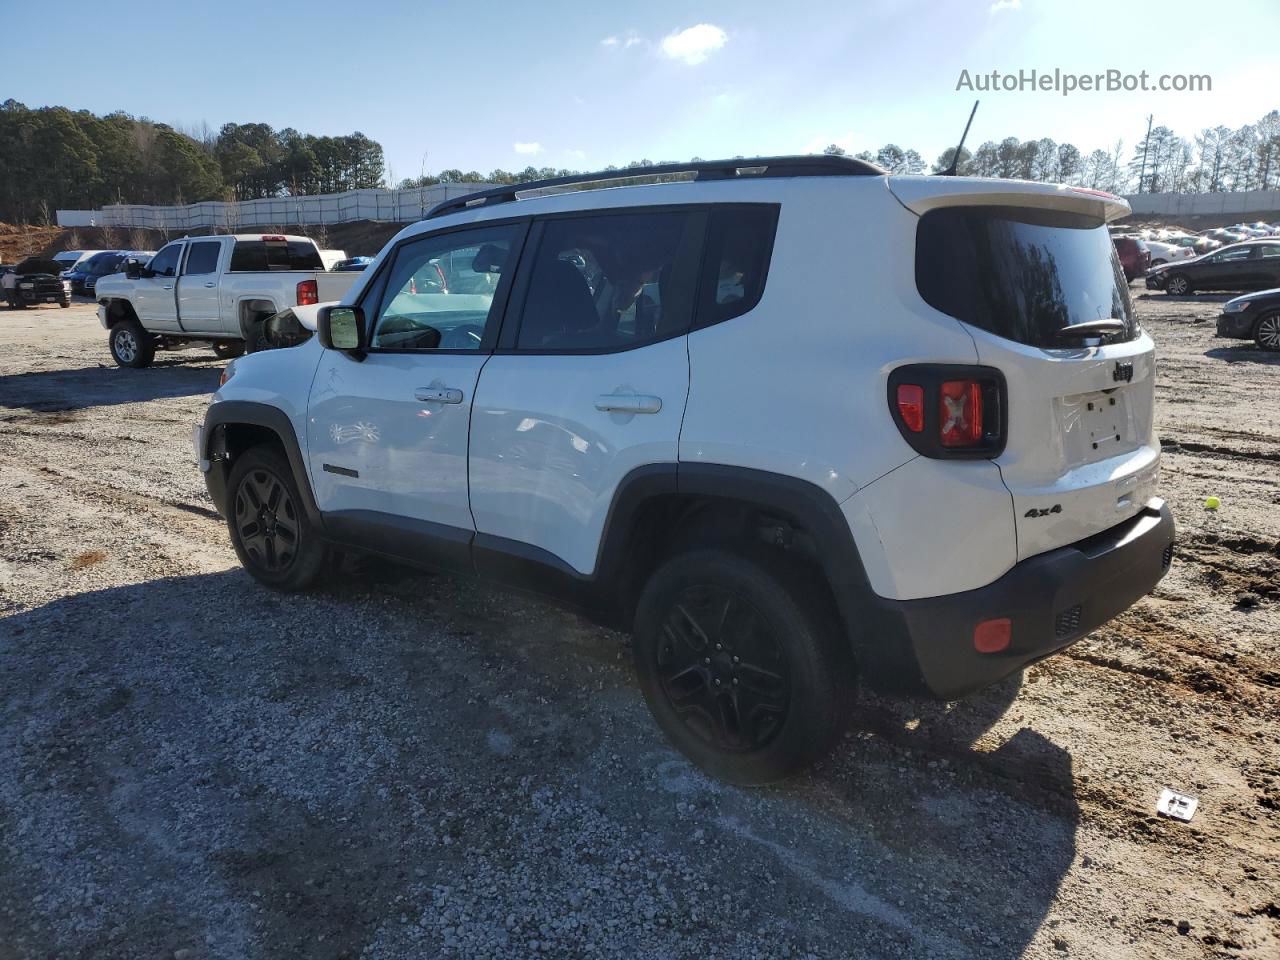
(1123, 373)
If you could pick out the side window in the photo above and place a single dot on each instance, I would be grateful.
(165, 263)
(612, 281)
(1236, 253)
(739, 245)
(202, 258)
(440, 290)
(1269, 250)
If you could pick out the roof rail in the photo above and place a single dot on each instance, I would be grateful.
(739, 167)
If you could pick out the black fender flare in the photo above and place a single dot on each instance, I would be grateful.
(225, 413)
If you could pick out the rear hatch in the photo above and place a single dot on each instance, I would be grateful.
(1016, 263)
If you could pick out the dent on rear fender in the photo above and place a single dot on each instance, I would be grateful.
(915, 542)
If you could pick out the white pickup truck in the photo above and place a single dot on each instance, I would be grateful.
(216, 290)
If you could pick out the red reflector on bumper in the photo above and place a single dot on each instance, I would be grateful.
(992, 636)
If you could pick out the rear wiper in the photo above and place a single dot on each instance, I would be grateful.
(1092, 328)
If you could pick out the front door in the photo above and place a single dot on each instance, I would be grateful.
(387, 433)
(154, 297)
(198, 288)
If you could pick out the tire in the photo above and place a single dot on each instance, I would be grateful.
(65, 304)
(131, 346)
(228, 349)
(712, 626)
(272, 536)
(1179, 285)
(1266, 332)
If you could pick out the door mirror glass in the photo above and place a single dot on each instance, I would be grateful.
(132, 268)
(341, 328)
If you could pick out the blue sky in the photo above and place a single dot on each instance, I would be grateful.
(584, 85)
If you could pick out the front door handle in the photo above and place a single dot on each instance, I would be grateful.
(210, 284)
(628, 403)
(438, 395)
(168, 286)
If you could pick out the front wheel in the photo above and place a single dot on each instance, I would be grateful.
(131, 346)
(741, 664)
(1178, 285)
(64, 304)
(228, 349)
(270, 531)
(1266, 332)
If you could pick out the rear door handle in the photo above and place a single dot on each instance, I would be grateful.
(628, 403)
(438, 395)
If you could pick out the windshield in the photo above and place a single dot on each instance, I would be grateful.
(1023, 274)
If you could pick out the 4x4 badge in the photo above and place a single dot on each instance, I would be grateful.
(1122, 373)
(1042, 512)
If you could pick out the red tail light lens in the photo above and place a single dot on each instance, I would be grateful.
(911, 406)
(960, 413)
(307, 293)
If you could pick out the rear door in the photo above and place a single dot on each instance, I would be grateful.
(387, 431)
(154, 295)
(1080, 454)
(1228, 269)
(589, 383)
(1266, 266)
(198, 287)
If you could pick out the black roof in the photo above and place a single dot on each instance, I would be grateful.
(739, 167)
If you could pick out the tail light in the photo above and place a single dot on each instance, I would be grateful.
(308, 293)
(949, 411)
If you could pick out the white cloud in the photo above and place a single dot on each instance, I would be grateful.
(529, 148)
(624, 42)
(694, 44)
(632, 39)
(609, 42)
(999, 5)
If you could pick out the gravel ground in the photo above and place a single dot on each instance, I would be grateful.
(407, 766)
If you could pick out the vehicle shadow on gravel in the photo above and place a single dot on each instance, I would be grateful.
(410, 766)
(102, 386)
(1245, 353)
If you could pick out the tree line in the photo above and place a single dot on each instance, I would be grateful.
(52, 158)
(1218, 159)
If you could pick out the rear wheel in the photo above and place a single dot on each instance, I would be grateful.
(131, 346)
(270, 531)
(1266, 332)
(228, 349)
(1178, 285)
(741, 665)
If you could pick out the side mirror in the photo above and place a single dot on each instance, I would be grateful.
(133, 268)
(341, 328)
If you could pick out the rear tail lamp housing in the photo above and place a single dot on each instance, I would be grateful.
(308, 293)
(950, 411)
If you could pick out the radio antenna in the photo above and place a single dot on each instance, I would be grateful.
(955, 159)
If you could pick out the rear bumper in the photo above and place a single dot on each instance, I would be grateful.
(1237, 326)
(1052, 600)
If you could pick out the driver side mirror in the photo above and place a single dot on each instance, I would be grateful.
(341, 328)
(133, 268)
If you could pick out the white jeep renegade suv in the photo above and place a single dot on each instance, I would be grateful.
(790, 421)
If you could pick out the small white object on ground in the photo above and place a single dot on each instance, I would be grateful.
(1176, 805)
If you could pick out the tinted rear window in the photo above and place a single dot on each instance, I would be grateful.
(261, 255)
(1021, 274)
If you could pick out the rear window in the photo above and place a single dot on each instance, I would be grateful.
(257, 256)
(1021, 274)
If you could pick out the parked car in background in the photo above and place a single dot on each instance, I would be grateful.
(212, 290)
(352, 265)
(36, 281)
(70, 259)
(926, 492)
(1252, 265)
(1162, 252)
(1255, 316)
(108, 264)
(1135, 257)
(331, 257)
(98, 264)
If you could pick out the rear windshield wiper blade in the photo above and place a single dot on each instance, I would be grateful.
(1092, 328)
